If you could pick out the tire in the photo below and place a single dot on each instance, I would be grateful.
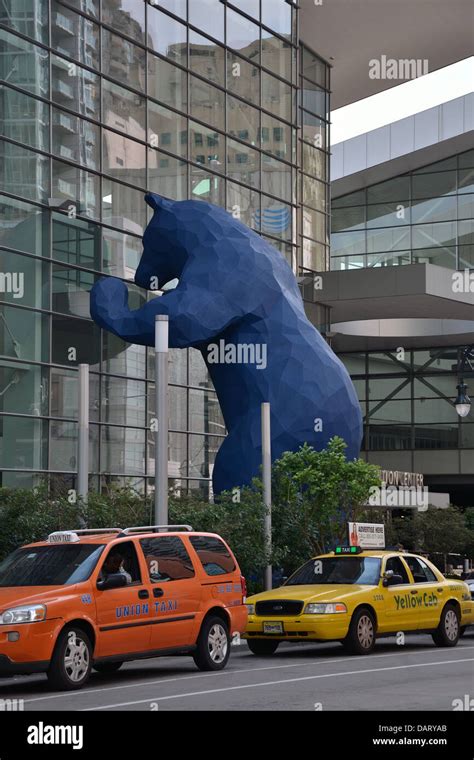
(107, 667)
(213, 644)
(71, 662)
(448, 630)
(262, 647)
(361, 636)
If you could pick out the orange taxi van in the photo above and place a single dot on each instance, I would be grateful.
(90, 598)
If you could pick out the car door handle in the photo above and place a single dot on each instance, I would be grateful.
(414, 591)
(143, 594)
(158, 592)
(439, 590)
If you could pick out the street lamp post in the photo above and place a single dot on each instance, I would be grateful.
(162, 414)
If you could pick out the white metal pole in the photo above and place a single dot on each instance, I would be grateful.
(83, 436)
(162, 414)
(267, 486)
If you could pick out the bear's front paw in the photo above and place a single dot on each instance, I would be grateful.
(108, 300)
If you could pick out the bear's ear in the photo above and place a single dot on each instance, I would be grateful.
(157, 202)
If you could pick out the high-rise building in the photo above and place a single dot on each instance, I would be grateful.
(101, 101)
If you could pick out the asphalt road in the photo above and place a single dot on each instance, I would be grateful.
(415, 676)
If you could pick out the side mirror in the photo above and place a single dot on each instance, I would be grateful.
(114, 580)
(392, 580)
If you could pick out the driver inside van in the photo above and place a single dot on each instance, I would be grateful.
(114, 564)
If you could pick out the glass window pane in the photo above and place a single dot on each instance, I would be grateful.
(207, 103)
(348, 218)
(314, 130)
(244, 204)
(275, 218)
(387, 214)
(122, 60)
(75, 88)
(208, 16)
(280, 138)
(123, 401)
(76, 139)
(25, 334)
(276, 178)
(74, 36)
(207, 147)
(76, 242)
(123, 110)
(429, 235)
(122, 450)
(198, 374)
(65, 393)
(87, 6)
(314, 255)
(436, 436)
(25, 280)
(24, 170)
(202, 455)
(466, 159)
(121, 358)
(348, 243)
(207, 187)
(167, 176)
(313, 68)
(243, 79)
(315, 225)
(314, 99)
(63, 446)
(126, 17)
(26, 17)
(25, 388)
(392, 259)
(251, 7)
(395, 239)
(442, 257)
(123, 207)
(24, 443)
(167, 129)
(351, 199)
(23, 64)
(243, 121)
(24, 119)
(277, 15)
(433, 185)
(243, 35)
(121, 254)
(206, 58)
(167, 83)
(315, 193)
(178, 7)
(167, 36)
(277, 55)
(74, 341)
(78, 186)
(277, 97)
(435, 210)
(243, 163)
(314, 162)
(23, 226)
(123, 159)
(71, 291)
(390, 412)
(178, 419)
(397, 189)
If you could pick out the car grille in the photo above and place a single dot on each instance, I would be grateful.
(278, 607)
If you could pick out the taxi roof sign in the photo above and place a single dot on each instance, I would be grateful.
(63, 537)
(347, 550)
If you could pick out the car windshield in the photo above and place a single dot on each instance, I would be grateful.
(364, 570)
(49, 565)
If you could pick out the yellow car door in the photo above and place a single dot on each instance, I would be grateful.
(400, 594)
(430, 592)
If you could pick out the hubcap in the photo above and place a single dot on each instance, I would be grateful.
(217, 643)
(365, 632)
(76, 660)
(451, 625)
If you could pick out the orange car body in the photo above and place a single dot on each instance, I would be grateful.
(148, 617)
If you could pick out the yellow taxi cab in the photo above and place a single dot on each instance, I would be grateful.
(95, 598)
(354, 596)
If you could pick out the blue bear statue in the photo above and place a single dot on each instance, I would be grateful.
(238, 303)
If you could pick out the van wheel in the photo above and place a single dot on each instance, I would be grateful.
(361, 636)
(213, 645)
(71, 662)
(262, 647)
(107, 667)
(447, 632)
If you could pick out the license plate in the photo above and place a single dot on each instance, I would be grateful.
(273, 627)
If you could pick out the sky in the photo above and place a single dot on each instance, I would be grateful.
(402, 100)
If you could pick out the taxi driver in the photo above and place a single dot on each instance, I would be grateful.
(114, 564)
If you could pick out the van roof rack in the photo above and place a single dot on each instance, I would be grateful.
(158, 528)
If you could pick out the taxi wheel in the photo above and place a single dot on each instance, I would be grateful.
(262, 647)
(213, 645)
(107, 667)
(361, 636)
(448, 630)
(71, 662)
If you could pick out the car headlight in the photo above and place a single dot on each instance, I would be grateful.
(31, 613)
(325, 608)
(250, 609)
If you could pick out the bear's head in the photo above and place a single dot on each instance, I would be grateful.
(177, 230)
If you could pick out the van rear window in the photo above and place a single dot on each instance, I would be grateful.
(213, 554)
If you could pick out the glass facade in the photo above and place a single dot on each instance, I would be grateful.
(407, 403)
(103, 100)
(425, 216)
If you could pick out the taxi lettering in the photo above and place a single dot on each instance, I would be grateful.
(407, 601)
(168, 606)
(129, 610)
